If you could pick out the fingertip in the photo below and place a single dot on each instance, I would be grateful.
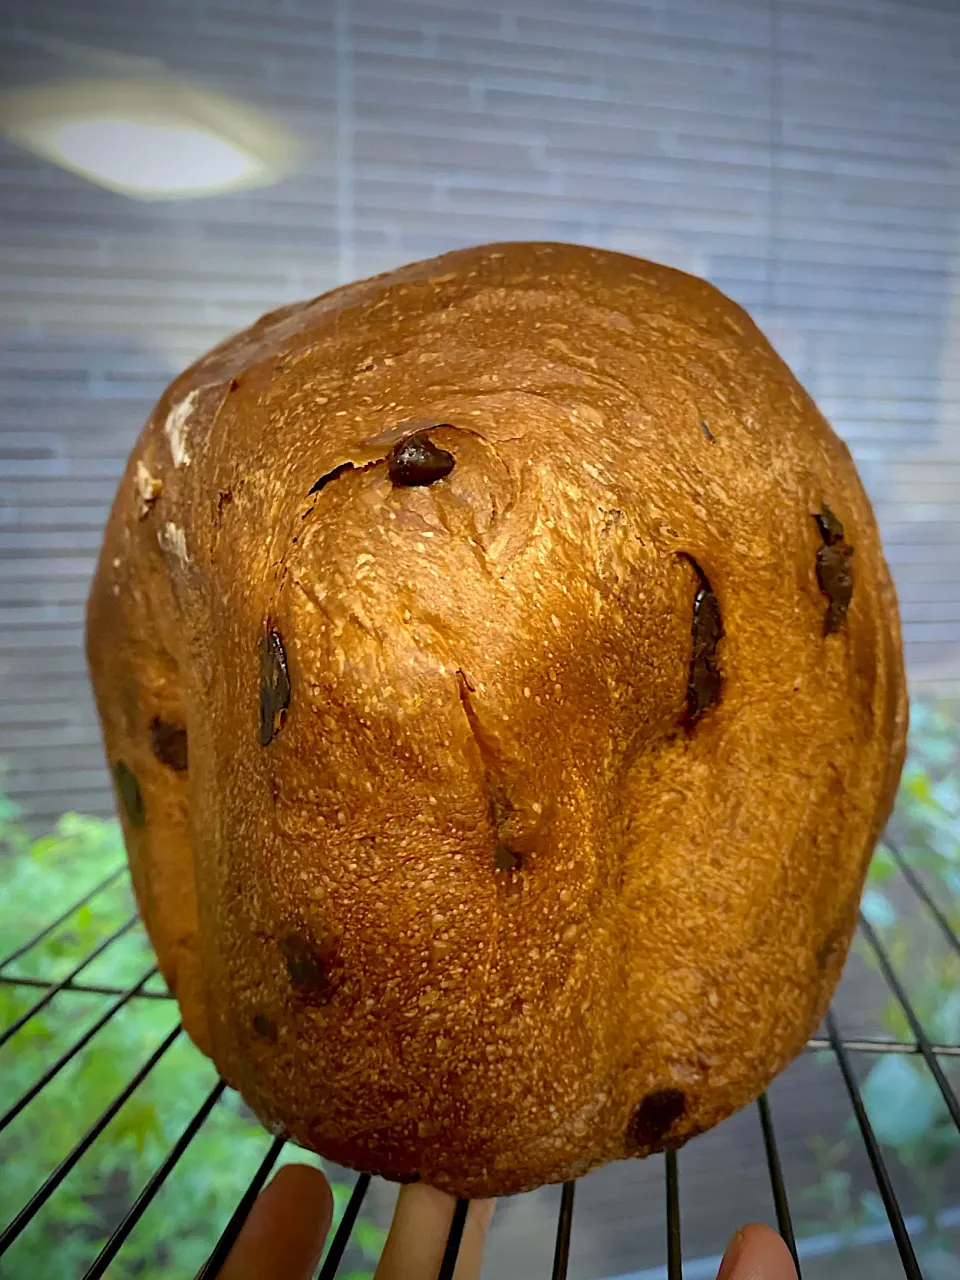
(286, 1230)
(306, 1183)
(757, 1253)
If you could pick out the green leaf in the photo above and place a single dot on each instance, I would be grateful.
(946, 793)
(369, 1239)
(882, 866)
(902, 1100)
(139, 1121)
(878, 910)
(944, 1022)
(872, 1206)
(917, 784)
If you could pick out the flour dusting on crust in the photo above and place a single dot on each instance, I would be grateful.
(175, 428)
(149, 489)
(173, 540)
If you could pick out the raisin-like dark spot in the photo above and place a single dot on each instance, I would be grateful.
(835, 579)
(708, 433)
(265, 1028)
(705, 680)
(309, 964)
(169, 744)
(654, 1117)
(224, 498)
(330, 475)
(131, 797)
(274, 686)
(417, 460)
(834, 571)
(506, 859)
(831, 530)
(500, 809)
(302, 964)
(234, 384)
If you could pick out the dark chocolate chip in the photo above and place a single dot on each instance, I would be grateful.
(835, 578)
(131, 797)
(274, 686)
(708, 433)
(234, 384)
(705, 680)
(654, 1117)
(309, 964)
(265, 1028)
(417, 460)
(831, 530)
(331, 475)
(506, 860)
(169, 744)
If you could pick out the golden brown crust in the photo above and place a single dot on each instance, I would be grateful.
(472, 874)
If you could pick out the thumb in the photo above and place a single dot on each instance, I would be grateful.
(757, 1253)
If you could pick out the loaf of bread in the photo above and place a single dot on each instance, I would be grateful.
(502, 684)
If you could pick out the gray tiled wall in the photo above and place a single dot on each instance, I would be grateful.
(802, 155)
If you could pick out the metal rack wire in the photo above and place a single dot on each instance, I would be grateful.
(843, 1050)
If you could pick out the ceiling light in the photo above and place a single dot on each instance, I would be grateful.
(155, 139)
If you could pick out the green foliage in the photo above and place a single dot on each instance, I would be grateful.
(38, 880)
(904, 1103)
(831, 1203)
(928, 804)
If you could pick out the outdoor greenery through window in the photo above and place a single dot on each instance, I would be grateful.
(38, 879)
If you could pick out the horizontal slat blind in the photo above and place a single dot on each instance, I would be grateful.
(802, 155)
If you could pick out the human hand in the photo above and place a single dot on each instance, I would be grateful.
(284, 1236)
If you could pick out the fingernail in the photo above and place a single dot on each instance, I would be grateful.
(731, 1257)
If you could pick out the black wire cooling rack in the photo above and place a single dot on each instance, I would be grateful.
(842, 1048)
